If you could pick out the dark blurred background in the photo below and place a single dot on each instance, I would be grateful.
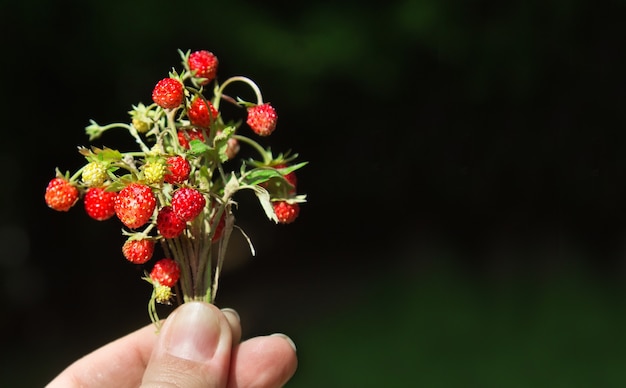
(465, 224)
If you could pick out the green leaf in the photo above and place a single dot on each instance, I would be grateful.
(116, 186)
(264, 199)
(197, 147)
(260, 175)
(107, 154)
(289, 169)
(231, 187)
(220, 142)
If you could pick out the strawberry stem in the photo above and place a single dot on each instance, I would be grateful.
(171, 126)
(267, 159)
(94, 130)
(220, 91)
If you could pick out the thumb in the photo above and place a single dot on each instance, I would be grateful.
(193, 349)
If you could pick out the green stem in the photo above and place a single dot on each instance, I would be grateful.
(220, 91)
(264, 154)
(138, 140)
(95, 130)
(178, 255)
(171, 125)
(77, 174)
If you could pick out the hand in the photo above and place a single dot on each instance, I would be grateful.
(198, 346)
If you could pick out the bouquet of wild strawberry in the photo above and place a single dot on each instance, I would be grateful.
(177, 190)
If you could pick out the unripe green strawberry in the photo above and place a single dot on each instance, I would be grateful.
(94, 174)
(262, 119)
(178, 169)
(165, 272)
(142, 118)
(185, 136)
(99, 203)
(61, 195)
(140, 125)
(135, 204)
(168, 93)
(286, 212)
(162, 294)
(138, 251)
(204, 64)
(154, 170)
(169, 224)
(201, 113)
(187, 203)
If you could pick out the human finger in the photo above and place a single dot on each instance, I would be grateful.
(264, 362)
(193, 349)
(235, 324)
(122, 361)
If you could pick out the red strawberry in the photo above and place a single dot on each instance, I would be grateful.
(185, 136)
(204, 63)
(165, 272)
(168, 93)
(135, 204)
(99, 203)
(169, 224)
(201, 113)
(262, 119)
(286, 212)
(187, 203)
(60, 194)
(178, 169)
(138, 251)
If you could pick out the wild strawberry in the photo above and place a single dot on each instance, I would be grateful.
(162, 294)
(138, 251)
(140, 125)
(135, 204)
(286, 212)
(94, 174)
(178, 169)
(232, 148)
(99, 203)
(187, 203)
(185, 136)
(142, 118)
(169, 224)
(165, 272)
(154, 171)
(201, 113)
(204, 64)
(168, 93)
(60, 194)
(262, 119)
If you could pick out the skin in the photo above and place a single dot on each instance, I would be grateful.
(197, 346)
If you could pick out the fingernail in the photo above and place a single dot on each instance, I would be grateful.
(228, 310)
(293, 345)
(193, 332)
